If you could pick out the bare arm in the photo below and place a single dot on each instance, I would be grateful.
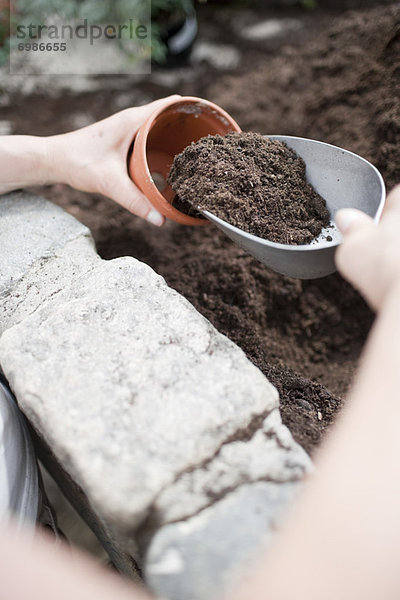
(39, 569)
(91, 159)
(23, 162)
(343, 538)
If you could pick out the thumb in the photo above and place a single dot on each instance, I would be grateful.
(349, 220)
(392, 203)
(141, 113)
(128, 195)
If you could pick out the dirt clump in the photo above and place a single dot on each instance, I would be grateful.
(252, 182)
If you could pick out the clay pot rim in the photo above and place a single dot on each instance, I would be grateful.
(158, 200)
(188, 100)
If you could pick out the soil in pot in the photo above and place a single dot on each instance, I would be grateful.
(252, 182)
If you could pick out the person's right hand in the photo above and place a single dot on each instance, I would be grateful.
(369, 257)
(94, 158)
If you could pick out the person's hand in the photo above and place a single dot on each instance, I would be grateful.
(94, 159)
(369, 257)
(37, 568)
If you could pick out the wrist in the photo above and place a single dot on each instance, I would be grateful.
(32, 154)
(24, 162)
(56, 163)
(45, 174)
(67, 159)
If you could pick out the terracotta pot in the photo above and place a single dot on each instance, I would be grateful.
(166, 133)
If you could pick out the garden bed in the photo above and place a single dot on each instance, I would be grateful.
(341, 87)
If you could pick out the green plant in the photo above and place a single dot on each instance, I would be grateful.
(4, 35)
(159, 7)
(309, 4)
(102, 11)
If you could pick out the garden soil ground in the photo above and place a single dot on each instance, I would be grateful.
(338, 82)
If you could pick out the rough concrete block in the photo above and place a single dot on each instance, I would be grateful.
(197, 558)
(131, 385)
(172, 435)
(31, 228)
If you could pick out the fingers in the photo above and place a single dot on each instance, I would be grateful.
(128, 195)
(126, 123)
(353, 258)
(354, 226)
(138, 114)
(148, 109)
(350, 220)
(392, 202)
(369, 257)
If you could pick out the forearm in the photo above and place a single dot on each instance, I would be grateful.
(92, 159)
(24, 161)
(343, 538)
(39, 569)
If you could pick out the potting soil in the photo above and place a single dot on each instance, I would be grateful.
(252, 182)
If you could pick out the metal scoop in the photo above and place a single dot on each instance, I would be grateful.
(345, 180)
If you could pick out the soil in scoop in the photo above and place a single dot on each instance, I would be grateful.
(252, 182)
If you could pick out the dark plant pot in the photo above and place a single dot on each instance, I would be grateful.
(178, 34)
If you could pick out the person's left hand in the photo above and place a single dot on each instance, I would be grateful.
(369, 257)
(94, 159)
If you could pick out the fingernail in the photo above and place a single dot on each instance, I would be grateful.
(155, 218)
(345, 217)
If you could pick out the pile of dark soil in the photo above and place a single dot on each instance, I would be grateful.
(252, 182)
(342, 88)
